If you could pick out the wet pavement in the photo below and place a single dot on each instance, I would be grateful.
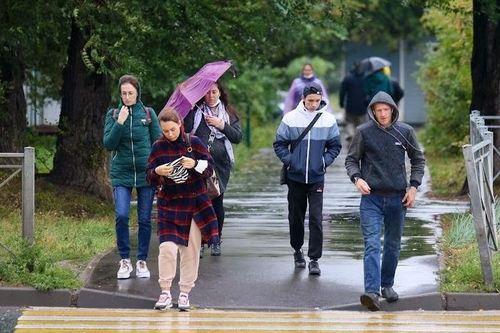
(256, 268)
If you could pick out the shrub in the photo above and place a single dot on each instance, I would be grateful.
(445, 78)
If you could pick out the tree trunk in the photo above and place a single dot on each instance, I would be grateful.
(485, 67)
(13, 105)
(80, 159)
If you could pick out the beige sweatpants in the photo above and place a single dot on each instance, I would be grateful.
(189, 261)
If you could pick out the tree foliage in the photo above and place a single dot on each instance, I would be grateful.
(445, 77)
(162, 43)
(385, 21)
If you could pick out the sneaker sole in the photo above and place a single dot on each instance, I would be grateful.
(123, 276)
(300, 265)
(314, 273)
(143, 275)
(368, 302)
(162, 308)
(390, 300)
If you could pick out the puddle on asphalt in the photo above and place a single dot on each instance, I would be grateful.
(343, 234)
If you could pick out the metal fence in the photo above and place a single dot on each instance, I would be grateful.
(479, 158)
(28, 187)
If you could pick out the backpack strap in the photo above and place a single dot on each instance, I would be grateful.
(147, 111)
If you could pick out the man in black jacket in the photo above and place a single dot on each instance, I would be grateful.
(375, 163)
(352, 100)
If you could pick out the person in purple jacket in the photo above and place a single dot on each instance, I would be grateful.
(294, 96)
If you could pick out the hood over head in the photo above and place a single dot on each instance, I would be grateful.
(383, 97)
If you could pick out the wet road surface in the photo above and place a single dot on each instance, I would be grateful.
(256, 268)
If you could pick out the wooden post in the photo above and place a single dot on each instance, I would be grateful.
(479, 217)
(28, 193)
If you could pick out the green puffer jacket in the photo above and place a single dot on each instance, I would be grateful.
(131, 144)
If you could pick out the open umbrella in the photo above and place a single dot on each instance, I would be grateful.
(193, 89)
(373, 64)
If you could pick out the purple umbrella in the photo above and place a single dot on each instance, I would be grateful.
(193, 89)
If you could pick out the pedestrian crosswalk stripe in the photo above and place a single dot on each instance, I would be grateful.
(41, 319)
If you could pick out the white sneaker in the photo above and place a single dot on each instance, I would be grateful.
(125, 269)
(164, 302)
(183, 302)
(141, 269)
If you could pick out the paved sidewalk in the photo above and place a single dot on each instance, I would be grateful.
(256, 270)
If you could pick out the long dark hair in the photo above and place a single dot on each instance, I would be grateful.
(225, 99)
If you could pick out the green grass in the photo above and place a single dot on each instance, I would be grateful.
(70, 229)
(447, 175)
(462, 272)
(462, 268)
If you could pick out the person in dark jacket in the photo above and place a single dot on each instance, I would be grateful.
(217, 124)
(307, 165)
(375, 163)
(374, 82)
(397, 92)
(185, 215)
(129, 133)
(352, 100)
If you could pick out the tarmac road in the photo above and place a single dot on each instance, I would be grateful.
(256, 268)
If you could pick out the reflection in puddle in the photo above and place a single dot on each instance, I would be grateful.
(343, 234)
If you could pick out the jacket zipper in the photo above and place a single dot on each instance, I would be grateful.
(307, 156)
(132, 145)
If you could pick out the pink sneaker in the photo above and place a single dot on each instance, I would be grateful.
(164, 302)
(183, 302)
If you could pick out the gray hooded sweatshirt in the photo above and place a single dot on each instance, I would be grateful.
(377, 154)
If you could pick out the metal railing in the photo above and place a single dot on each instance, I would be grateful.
(28, 187)
(479, 156)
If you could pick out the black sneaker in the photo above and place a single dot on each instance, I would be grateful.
(389, 294)
(314, 268)
(371, 301)
(300, 262)
(216, 249)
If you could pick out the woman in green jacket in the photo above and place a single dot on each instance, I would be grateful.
(129, 133)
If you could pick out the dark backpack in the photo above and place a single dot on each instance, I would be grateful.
(146, 110)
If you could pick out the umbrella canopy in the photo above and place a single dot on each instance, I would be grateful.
(193, 89)
(373, 64)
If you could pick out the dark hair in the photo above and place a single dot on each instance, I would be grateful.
(312, 89)
(224, 98)
(129, 79)
(169, 114)
(307, 64)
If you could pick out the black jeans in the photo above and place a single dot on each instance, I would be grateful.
(298, 196)
(218, 204)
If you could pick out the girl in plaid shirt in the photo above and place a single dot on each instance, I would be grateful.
(185, 213)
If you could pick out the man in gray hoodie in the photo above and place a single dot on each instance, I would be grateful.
(375, 163)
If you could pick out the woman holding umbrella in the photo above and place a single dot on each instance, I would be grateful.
(216, 123)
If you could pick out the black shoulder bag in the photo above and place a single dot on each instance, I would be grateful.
(212, 182)
(293, 144)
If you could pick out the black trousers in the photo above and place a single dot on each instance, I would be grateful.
(218, 204)
(298, 196)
